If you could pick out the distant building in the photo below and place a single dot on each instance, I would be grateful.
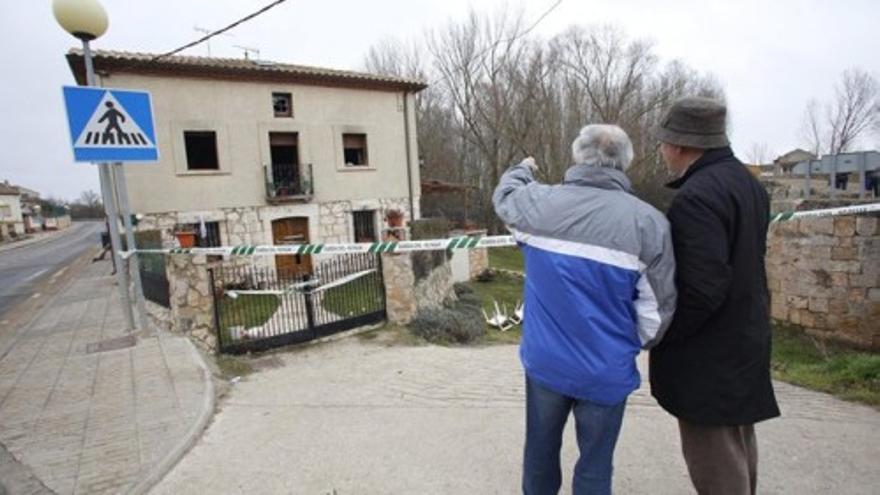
(783, 164)
(10, 209)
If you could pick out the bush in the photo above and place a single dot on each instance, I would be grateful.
(459, 323)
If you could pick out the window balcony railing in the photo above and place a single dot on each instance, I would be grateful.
(288, 182)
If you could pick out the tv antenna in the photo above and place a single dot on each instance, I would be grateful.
(207, 31)
(248, 50)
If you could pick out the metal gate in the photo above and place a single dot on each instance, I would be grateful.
(259, 308)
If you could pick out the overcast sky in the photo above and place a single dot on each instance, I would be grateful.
(770, 56)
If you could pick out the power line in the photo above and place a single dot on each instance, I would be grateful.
(219, 31)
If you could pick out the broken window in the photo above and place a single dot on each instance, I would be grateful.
(364, 226)
(354, 149)
(282, 104)
(201, 150)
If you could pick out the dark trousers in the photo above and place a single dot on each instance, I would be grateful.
(722, 460)
(597, 428)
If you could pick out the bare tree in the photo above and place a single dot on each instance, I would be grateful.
(812, 131)
(758, 154)
(854, 110)
(498, 94)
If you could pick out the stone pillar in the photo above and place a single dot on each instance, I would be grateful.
(192, 303)
(479, 258)
(400, 294)
(415, 281)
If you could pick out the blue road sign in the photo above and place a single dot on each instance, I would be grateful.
(110, 125)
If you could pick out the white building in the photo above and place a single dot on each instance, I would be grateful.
(10, 209)
(269, 153)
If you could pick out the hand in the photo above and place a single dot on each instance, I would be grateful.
(530, 162)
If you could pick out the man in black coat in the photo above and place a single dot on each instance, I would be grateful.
(712, 370)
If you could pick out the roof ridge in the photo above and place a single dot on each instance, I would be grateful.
(238, 63)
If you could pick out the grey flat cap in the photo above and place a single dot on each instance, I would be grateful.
(695, 122)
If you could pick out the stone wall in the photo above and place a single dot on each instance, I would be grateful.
(415, 281)
(331, 222)
(192, 304)
(824, 275)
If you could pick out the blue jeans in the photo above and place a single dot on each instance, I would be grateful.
(597, 429)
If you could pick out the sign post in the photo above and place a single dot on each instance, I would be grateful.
(110, 125)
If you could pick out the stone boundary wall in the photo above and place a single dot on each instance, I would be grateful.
(824, 275)
(414, 281)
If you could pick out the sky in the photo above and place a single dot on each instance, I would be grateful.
(770, 57)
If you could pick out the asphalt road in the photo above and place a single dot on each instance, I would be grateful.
(22, 269)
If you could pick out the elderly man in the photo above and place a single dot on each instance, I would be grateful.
(712, 371)
(599, 287)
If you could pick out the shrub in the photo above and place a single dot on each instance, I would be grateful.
(458, 322)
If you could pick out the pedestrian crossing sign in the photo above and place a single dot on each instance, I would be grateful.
(110, 125)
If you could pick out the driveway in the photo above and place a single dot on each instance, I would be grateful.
(358, 417)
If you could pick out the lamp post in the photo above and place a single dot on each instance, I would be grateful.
(87, 20)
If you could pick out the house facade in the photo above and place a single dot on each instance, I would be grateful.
(11, 220)
(255, 152)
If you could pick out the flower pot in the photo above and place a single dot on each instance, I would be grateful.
(394, 218)
(186, 239)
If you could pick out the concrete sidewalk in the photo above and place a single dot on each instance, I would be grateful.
(86, 407)
(355, 417)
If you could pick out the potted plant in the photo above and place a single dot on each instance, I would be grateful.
(186, 237)
(394, 218)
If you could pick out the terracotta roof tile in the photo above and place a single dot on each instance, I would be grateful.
(212, 67)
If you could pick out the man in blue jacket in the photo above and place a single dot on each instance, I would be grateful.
(599, 288)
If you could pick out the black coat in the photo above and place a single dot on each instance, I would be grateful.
(713, 365)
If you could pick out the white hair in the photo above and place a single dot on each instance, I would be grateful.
(602, 145)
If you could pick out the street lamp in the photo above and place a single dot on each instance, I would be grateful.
(87, 20)
(84, 19)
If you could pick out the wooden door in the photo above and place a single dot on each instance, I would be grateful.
(293, 230)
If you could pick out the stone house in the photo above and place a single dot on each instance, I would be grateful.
(258, 152)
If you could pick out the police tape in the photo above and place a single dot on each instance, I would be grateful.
(828, 212)
(455, 243)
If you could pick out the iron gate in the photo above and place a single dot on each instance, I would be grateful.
(259, 308)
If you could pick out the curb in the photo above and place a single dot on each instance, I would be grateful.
(164, 466)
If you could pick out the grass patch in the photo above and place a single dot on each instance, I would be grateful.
(246, 311)
(506, 258)
(358, 297)
(507, 290)
(832, 368)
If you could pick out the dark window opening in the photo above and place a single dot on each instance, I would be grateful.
(364, 226)
(201, 150)
(284, 153)
(210, 237)
(354, 149)
(282, 104)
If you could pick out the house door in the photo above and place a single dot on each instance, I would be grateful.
(293, 230)
(284, 153)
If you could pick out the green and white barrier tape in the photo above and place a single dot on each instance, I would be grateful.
(828, 212)
(344, 248)
(454, 243)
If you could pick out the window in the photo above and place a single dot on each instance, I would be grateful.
(211, 237)
(5, 211)
(354, 149)
(364, 226)
(282, 104)
(201, 150)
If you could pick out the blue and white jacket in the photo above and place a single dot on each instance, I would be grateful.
(600, 278)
